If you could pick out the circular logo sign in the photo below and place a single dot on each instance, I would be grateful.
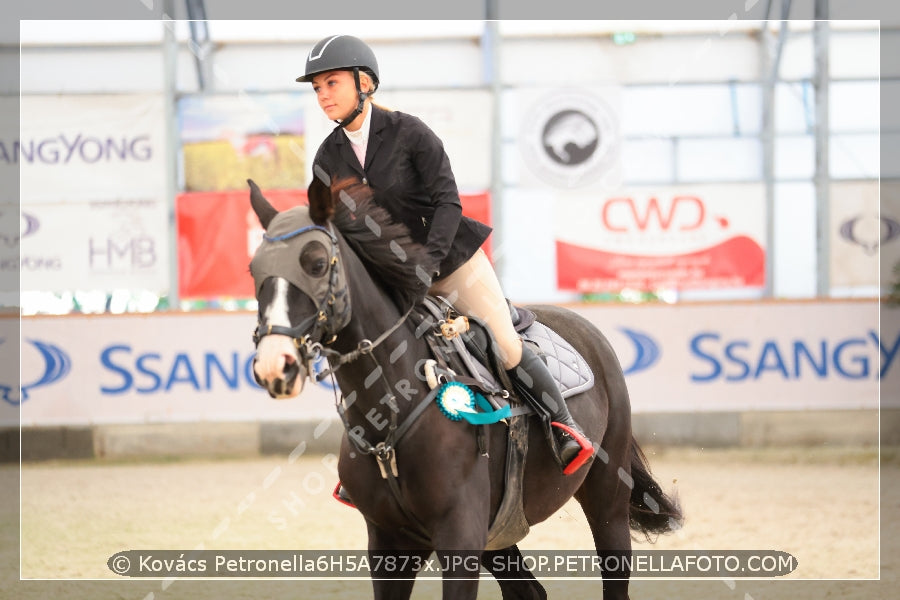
(570, 139)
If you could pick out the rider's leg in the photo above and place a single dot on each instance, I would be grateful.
(474, 290)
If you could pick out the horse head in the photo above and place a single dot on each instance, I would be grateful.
(303, 280)
(301, 289)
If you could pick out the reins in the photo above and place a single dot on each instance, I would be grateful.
(364, 346)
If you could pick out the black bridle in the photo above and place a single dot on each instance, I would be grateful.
(307, 336)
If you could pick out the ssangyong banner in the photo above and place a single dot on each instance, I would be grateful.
(93, 193)
(103, 244)
(149, 368)
(74, 148)
(754, 355)
(218, 233)
(862, 230)
(676, 358)
(647, 238)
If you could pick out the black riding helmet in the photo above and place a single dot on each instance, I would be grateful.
(343, 52)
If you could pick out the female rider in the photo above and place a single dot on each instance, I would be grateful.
(404, 163)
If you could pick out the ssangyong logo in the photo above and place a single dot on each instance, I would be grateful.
(870, 232)
(55, 365)
(570, 139)
(646, 351)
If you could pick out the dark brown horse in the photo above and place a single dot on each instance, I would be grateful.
(339, 279)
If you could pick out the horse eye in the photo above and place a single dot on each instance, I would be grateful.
(314, 259)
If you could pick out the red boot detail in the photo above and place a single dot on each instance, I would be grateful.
(587, 450)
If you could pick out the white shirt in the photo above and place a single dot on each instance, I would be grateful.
(359, 139)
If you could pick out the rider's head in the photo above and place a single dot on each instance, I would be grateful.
(335, 65)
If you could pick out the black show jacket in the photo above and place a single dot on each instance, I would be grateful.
(409, 173)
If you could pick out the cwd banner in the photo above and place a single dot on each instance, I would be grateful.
(218, 233)
(682, 237)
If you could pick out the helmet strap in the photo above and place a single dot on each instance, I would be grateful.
(360, 105)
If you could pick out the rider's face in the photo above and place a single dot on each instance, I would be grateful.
(336, 92)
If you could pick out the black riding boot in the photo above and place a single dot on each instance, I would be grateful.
(533, 381)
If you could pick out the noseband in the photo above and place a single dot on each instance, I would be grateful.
(333, 307)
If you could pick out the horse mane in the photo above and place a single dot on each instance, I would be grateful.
(383, 245)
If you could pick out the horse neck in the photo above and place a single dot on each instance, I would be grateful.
(390, 370)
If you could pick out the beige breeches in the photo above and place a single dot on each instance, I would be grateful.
(474, 290)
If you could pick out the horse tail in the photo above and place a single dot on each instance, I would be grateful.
(653, 512)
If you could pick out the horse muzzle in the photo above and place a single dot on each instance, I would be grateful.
(277, 367)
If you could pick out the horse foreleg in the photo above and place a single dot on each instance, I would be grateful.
(393, 571)
(516, 581)
(459, 538)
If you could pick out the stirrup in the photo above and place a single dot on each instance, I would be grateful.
(340, 494)
(586, 452)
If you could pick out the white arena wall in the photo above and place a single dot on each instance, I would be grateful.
(704, 374)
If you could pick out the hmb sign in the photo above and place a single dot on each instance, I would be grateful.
(122, 254)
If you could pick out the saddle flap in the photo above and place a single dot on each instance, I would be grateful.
(566, 364)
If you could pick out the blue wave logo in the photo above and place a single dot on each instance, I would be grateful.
(57, 365)
(646, 350)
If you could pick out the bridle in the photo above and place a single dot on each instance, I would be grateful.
(328, 319)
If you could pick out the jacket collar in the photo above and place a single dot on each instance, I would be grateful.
(378, 122)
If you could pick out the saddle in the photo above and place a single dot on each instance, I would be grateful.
(466, 357)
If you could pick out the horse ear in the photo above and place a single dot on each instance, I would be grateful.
(321, 202)
(264, 211)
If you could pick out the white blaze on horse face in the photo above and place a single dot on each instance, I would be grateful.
(274, 352)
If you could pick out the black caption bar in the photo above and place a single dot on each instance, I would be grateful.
(352, 563)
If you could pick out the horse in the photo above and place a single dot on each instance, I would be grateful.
(341, 279)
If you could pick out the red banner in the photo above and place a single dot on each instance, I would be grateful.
(218, 232)
(676, 238)
(738, 262)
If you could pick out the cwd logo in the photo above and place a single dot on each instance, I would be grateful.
(56, 364)
(646, 351)
(680, 213)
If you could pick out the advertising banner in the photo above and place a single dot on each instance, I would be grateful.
(858, 232)
(86, 147)
(753, 356)
(461, 119)
(889, 242)
(218, 233)
(569, 138)
(150, 368)
(94, 245)
(93, 194)
(9, 368)
(229, 139)
(681, 237)
(676, 358)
